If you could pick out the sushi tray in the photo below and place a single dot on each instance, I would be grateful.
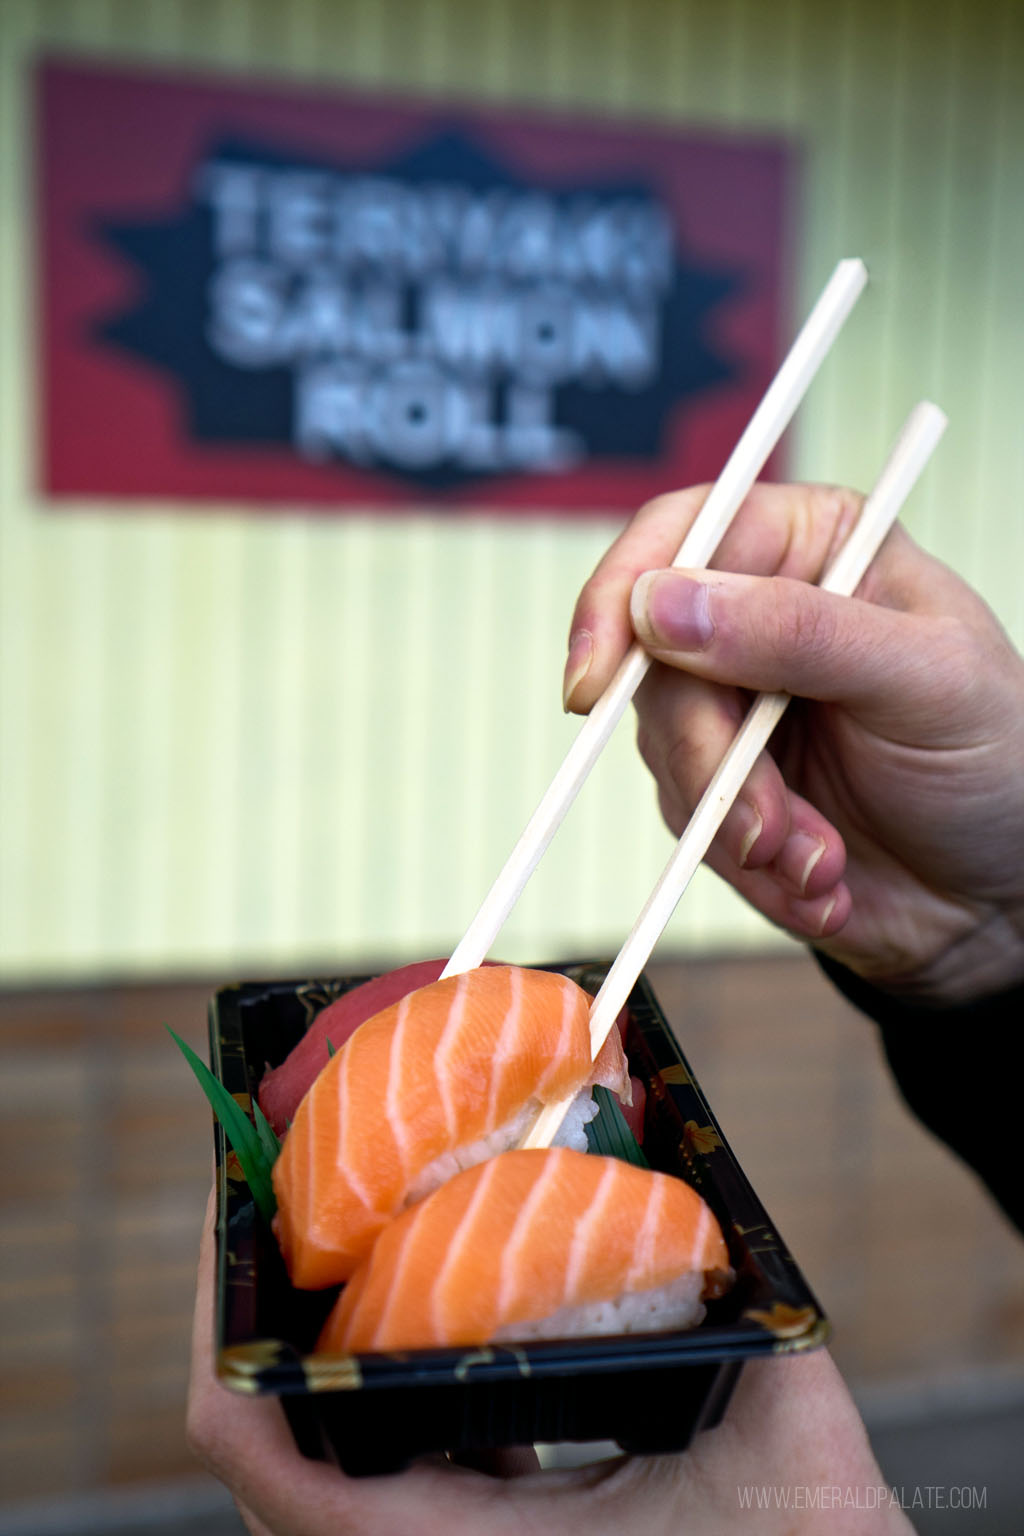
(373, 1413)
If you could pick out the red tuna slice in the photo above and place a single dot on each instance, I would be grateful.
(283, 1088)
(633, 1112)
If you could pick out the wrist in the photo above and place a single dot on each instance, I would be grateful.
(981, 962)
(995, 989)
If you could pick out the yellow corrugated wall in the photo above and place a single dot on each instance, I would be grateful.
(233, 742)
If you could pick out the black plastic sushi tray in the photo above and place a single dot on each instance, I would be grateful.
(374, 1413)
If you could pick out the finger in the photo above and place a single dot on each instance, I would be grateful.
(253, 1524)
(202, 1315)
(600, 633)
(819, 913)
(902, 673)
(246, 1443)
(684, 727)
(787, 529)
(791, 1421)
(802, 890)
(812, 859)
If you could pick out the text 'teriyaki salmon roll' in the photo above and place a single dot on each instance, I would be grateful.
(535, 1244)
(446, 1077)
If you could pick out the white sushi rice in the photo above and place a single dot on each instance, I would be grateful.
(571, 1133)
(676, 1305)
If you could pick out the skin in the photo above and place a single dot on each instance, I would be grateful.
(791, 1424)
(886, 825)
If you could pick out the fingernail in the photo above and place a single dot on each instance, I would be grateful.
(799, 858)
(581, 655)
(672, 611)
(750, 837)
(826, 915)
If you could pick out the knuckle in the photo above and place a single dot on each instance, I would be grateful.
(645, 745)
(817, 520)
(667, 757)
(208, 1434)
(674, 508)
(679, 771)
(606, 590)
(803, 627)
(649, 541)
(201, 1436)
(965, 653)
(838, 509)
(673, 814)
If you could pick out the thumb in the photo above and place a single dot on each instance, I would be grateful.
(902, 672)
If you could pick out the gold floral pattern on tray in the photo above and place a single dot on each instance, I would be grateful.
(485, 1355)
(701, 1138)
(676, 1075)
(475, 1357)
(314, 995)
(760, 1238)
(376, 1414)
(784, 1321)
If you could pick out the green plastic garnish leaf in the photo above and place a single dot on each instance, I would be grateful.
(609, 1134)
(255, 1148)
(267, 1135)
(331, 1050)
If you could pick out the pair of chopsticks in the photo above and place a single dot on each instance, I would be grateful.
(907, 459)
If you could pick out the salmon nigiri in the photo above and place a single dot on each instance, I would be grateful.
(545, 1243)
(283, 1088)
(449, 1075)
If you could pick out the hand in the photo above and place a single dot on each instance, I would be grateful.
(791, 1429)
(887, 825)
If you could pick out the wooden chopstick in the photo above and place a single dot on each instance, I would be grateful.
(762, 433)
(910, 453)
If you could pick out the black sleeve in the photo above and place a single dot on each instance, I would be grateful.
(957, 1070)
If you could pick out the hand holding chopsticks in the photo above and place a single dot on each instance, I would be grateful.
(911, 452)
(765, 428)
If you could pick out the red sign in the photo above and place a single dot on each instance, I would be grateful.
(293, 296)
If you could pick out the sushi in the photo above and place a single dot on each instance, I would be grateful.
(452, 1074)
(535, 1244)
(283, 1088)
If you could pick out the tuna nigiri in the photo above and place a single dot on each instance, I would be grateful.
(283, 1088)
(546, 1243)
(448, 1076)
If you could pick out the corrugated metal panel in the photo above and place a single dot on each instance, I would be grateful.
(234, 741)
